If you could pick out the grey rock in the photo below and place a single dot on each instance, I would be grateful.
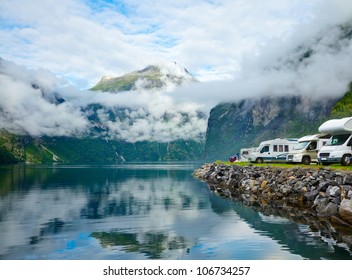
(333, 191)
(345, 210)
(320, 203)
(347, 180)
(349, 194)
(335, 200)
(323, 186)
(310, 196)
(328, 210)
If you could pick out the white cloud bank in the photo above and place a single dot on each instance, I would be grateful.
(27, 109)
(31, 104)
(255, 43)
(280, 71)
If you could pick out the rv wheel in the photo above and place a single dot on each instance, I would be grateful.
(346, 160)
(306, 160)
(259, 160)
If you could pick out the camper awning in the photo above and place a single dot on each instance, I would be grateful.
(337, 126)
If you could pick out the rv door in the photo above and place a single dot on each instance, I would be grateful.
(312, 150)
(265, 153)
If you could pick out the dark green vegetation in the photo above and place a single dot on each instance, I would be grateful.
(343, 107)
(10, 148)
(6, 156)
(95, 150)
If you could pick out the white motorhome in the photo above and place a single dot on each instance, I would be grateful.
(338, 148)
(245, 152)
(274, 150)
(306, 151)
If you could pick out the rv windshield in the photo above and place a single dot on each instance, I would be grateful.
(301, 145)
(337, 140)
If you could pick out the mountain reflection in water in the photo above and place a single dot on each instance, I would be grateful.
(139, 211)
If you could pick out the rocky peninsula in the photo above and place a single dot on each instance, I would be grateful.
(319, 197)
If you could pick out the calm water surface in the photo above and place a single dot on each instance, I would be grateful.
(139, 211)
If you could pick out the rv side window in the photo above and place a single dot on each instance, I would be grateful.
(265, 149)
(275, 148)
(281, 148)
(286, 148)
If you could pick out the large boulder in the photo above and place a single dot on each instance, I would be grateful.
(345, 210)
(328, 211)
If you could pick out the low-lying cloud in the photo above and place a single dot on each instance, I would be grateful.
(26, 106)
(317, 67)
(37, 103)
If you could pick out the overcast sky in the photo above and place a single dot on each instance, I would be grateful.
(82, 40)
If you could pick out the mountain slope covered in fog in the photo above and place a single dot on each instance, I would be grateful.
(162, 113)
(43, 120)
(297, 102)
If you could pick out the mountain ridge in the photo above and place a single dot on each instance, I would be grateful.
(152, 77)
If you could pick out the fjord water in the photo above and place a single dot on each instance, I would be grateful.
(139, 211)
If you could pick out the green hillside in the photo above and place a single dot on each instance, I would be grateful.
(343, 107)
(10, 148)
(232, 126)
(151, 77)
(94, 150)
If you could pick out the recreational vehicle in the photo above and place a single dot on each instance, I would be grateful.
(338, 147)
(245, 152)
(273, 150)
(306, 151)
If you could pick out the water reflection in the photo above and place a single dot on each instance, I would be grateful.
(298, 238)
(153, 244)
(138, 212)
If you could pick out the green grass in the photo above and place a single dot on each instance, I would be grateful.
(288, 165)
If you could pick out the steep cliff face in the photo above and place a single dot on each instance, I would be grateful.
(232, 126)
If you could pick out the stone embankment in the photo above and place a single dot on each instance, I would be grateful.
(321, 197)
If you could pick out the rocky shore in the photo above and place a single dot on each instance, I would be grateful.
(321, 198)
